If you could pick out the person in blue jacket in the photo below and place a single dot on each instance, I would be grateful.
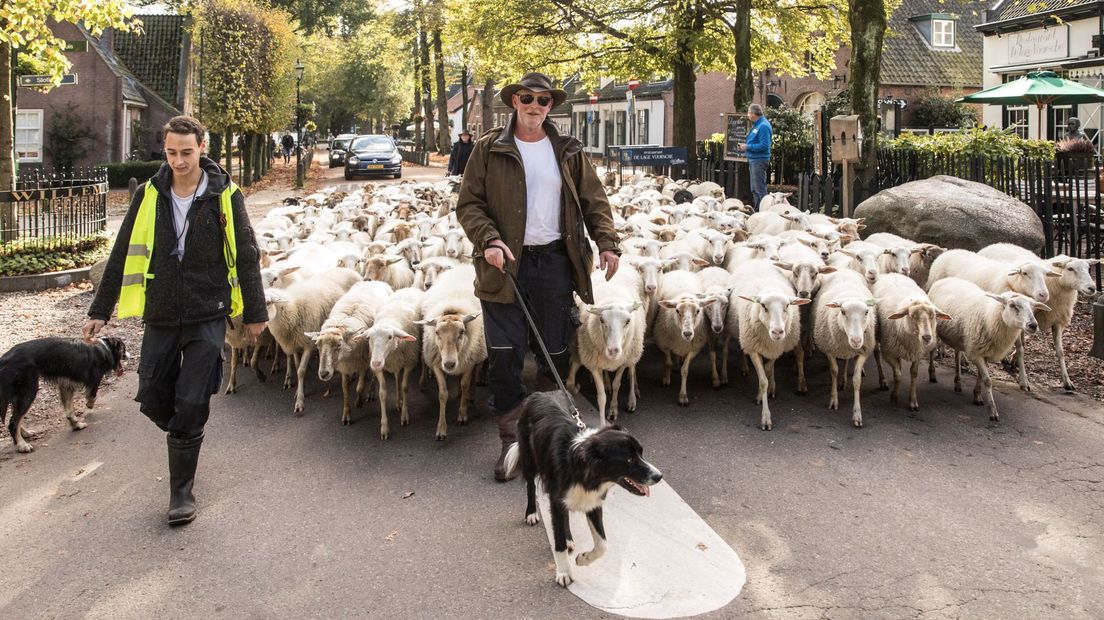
(758, 149)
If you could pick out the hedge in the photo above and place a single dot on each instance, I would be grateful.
(119, 175)
(990, 142)
(30, 258)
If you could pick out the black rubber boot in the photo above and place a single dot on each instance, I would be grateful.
(507, 432)
(183, 458)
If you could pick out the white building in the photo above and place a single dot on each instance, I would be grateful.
(607, 121)
(1064, 36)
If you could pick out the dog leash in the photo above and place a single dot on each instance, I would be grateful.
(548, 358)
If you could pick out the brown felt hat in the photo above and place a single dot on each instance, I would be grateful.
(536, 82)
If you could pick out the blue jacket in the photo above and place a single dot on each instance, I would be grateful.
(759, 140)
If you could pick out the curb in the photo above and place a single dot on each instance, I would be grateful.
(43, 281)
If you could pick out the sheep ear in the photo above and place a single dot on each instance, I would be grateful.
(917, 250)
(668, 303)
(1015, 272)
(826, 269)
(834, 220)
(287, 270)
(425, 321)
(705, 303)
(898, 315)
(848, 253)
(314, 336)
(832, 304)
(783, 266)
(942, 316)
(996, 298)
(801, 301)
(401, 335)
(392, 261)
(887, 251)
(471, 317)
(753, 300)
(1038, 305)
(1053, 274)
(700, 262)
(593, 310)
(739, 234)
(861, 226)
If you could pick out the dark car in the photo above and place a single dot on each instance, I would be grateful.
(338, 148)
(373, 155)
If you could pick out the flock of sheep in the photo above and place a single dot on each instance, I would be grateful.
(379, 281)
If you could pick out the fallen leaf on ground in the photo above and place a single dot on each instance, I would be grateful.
(408, 494)
(390, 537)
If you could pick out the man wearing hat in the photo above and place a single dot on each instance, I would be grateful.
(529, 198)
(461, 151)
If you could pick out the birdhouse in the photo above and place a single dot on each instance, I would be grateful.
(846, 138)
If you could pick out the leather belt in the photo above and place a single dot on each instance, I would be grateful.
(556, 246)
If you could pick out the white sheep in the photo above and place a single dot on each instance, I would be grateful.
(430, 269)
(300, 308)
(1076, 279)
(393, 342)
(758, 246)
(389, 268)
(995, 276)
(454, 342)
(906, 329)
(610, 338)
(678, 324)
(766, 322)
(921, 255)
(354, 312)
(714, 282)
(843, 327)
(980, 329)
(769, 223)
(864, 259)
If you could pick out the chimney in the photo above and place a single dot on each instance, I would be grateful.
(107, 39)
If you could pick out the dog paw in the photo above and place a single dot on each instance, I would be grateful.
(564, 579)
(571, 546)
(90, 403)
(24, 447)
(78, 425)
(585, 559)
(532, 519)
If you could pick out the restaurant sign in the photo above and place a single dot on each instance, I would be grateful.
(1031, 46)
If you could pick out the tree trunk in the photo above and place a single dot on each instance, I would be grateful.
(487, 103)
(868, 26)
(744, 89)
(444, 136)
(427, 92)
(417, 103)
(228, 145)
(247, 160)
(214, 147)
(258, 152)
(464, 87)
(7, 122)
(684, 126)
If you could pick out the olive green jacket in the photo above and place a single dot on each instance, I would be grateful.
(492, 206)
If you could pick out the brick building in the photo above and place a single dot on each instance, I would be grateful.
(126, 87)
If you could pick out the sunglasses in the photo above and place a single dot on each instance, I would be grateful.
(528, 98)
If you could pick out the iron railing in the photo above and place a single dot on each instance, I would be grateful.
(48, 210)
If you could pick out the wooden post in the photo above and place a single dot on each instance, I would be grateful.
(848, 181)
(1098, 328)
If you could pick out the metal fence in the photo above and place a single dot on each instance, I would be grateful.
(48, 210)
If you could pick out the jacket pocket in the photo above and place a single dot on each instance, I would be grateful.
(488, 279)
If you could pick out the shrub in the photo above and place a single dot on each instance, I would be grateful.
(1079, 146)
(118, 175)
(839, 103)
(933, 110)
(989, 142)
(68, 140)
(791, 130)
(28, 257)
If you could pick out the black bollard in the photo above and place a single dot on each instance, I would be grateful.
(1098, 327)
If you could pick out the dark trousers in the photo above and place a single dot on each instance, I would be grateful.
(546, 279)
(181, 367)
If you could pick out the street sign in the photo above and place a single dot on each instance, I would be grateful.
(653, 155)
(38, 81)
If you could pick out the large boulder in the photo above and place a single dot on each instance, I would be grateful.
(95, 273)
(953, 213)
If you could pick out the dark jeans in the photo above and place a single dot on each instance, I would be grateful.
(546, 280)
(181, 367)
(758, 171)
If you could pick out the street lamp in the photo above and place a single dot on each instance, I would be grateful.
(298, 125)
(591, 115)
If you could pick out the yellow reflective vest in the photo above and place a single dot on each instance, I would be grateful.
(132, 295)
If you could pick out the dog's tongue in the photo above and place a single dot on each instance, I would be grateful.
(647, 490)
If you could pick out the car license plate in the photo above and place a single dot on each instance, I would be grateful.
(375, 166)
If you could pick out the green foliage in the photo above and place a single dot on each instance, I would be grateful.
(933, 110)
(27, 257)
(68, 140)
(119, 175)
(791, 130)
(975, 141)
(839, 104)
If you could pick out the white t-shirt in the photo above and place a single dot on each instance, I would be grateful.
(180, 214)
(542, 191)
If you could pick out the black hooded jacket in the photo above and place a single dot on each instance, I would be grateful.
(458, 158)
(195, 289)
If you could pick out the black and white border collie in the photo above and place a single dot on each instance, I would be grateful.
(70, 363)
(577, 468)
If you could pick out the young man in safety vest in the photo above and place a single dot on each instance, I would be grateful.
(185, 260)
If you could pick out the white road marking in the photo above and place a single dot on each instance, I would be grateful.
(662, 560)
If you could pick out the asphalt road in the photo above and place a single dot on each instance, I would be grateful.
(940, 514)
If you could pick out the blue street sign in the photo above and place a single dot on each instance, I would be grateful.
(653, 155)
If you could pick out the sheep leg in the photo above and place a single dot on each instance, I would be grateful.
(744, 370)
(846, 371)
(666, 368)
(600, 389)
(958, 371)
(833, 370)
(987, 381)
(684, 400)
(1056, 333)
(931, 367)
(882, 385)
(442, 401)
(232, 382)
(301, 374)
(630, 405)
(291, 357)
(360, 390)
(615, 388)
(255, 364)
(423, 374)
(761, 399)
(345, 420)
(404, 412)
(466, 395)
(381, 380)
(895, 368)
(724, 361)
(571, 372)
(799, 358)
(714, 375)
(914, 403)
(1025, 385)
(856, 381)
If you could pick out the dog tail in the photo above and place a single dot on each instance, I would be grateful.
(512, 458)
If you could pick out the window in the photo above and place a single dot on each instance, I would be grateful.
(621, 121)
(1059, 121)
(1017, 117)
(642, 126)
(28, 136)
(810, 102)
(943, 33)
(592, 118)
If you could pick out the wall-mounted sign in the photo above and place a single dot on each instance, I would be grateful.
(39, 81)
(1032, 46)
(653, 155)
(890, 101)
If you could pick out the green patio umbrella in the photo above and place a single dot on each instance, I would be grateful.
(1040, 88)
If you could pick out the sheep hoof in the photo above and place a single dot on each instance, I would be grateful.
(958, 388)
(384, 435)
(1025, 387)
(346, 422)
(230, 389)
(833, 406)
(758, 401)
(994, 417)
(932, 379)
(441, 437)
(1069, 387)
(685, 402)
(979, 401)
(857, 423)
(767, 426)
(914, 407)
(882, 385)
(630, 408)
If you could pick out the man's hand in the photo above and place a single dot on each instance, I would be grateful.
(91, 328)
(496, 254)
(608, 260)
(741, 146)
(253, 331)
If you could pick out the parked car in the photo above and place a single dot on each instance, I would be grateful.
(374, 154)
(338, 147)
